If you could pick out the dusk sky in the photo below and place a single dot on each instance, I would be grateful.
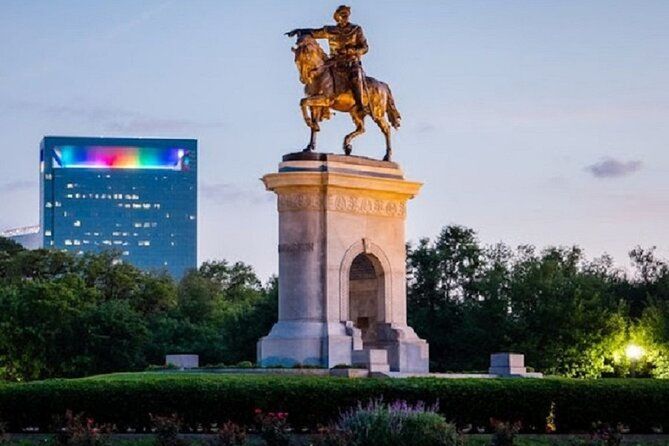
(538, 122)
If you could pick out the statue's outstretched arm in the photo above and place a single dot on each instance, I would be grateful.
(317, 33)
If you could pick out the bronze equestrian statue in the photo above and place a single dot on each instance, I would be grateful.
(338, 82)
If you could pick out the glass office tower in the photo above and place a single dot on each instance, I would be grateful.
(136, 196)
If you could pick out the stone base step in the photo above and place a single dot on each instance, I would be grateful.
(374, 359)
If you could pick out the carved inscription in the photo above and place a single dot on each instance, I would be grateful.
(341, 203)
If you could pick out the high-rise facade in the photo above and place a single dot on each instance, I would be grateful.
(137, 196)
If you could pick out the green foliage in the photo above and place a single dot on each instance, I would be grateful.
(9, 247)
(568, 315)
(504, 432)
(65, 316)
(126, 400)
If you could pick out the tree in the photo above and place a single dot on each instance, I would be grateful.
(10, 247)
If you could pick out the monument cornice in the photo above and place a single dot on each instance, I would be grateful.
(328, 182)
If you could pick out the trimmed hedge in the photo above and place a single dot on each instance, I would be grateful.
(126, 400)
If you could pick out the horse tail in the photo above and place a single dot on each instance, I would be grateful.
(393, 114)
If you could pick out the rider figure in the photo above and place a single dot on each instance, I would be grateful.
(347, 46)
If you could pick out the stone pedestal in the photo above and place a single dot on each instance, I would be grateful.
(183, 361)
(504, 364)
(342, 272)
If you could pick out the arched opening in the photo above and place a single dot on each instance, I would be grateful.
(366, 290)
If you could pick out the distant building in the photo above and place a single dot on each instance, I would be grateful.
(28, 236)
(134, 195)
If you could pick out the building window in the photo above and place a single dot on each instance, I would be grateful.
(47, 233)
(68, 242)
(77, 223)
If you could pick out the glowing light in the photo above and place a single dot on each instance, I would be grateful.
(119, 157)
(634, 352)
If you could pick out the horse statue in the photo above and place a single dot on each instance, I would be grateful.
(325, 88)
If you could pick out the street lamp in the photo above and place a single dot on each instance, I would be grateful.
(634, 352)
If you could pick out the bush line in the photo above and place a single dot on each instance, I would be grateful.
(126, 400)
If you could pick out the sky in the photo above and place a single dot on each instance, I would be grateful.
(533, 122)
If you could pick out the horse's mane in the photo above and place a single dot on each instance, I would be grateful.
(309, 44)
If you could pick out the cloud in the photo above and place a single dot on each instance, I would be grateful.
(116, 119)
(16, 186)
(613, 168)
(226, 193)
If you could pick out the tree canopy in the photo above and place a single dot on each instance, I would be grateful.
(64, 315)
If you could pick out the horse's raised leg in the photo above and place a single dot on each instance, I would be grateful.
(385, 128)
(304, 107)
(315, 128)
(359, 121)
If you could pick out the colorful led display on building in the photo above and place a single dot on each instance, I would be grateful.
(120, 157)
(135, 196)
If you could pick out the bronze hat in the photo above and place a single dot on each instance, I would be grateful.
(342, 8)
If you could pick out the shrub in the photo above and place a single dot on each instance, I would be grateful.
(126, 400)
(4, 437)
(79, 432)
(229, 434)
(398, 424)
(167, 429)
(245, 365)
(504, 432)
(273, 427)
(603, 434)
